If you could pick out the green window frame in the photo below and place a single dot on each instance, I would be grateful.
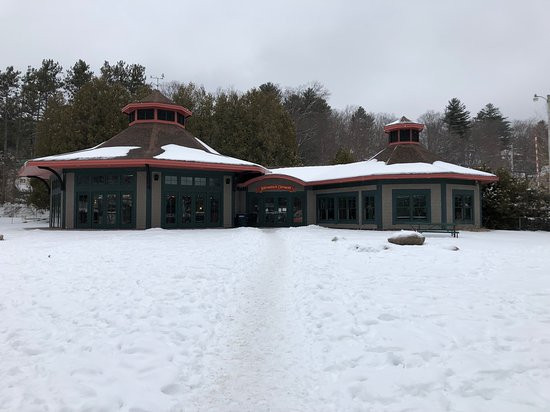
(187, 180)
(411, 206)
(369, 206)
(337, 208)
(463, 206)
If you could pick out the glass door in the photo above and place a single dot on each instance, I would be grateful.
(214, 211)
(83, 210)
(200, 209)
(169, 210)
(111, 210)
(186, 210)
(98, 209)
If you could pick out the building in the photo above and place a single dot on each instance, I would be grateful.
(156, 174)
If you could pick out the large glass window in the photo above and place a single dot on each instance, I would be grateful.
(411, 206)
(181, 119)
(126, 209)
(83, 208)
(131, 117)
(199, 208)
(325, 209)
(347, 208)
(167, 115)
(415, 135)
(111, 208)
(97, 209)
(463, 207)
(405, 135)
(369, 208)
(200, 181)
(146, 114)
(297, 213)
(170, 209)
(394, 136)
(214, 209)
(186, 201)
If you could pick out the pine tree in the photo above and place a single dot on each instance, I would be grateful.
(343, 156)
(76, 77)
(457, 118)
(491, 137)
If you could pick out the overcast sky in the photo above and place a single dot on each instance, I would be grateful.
(400, 57)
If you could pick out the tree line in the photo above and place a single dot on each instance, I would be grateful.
(46, 110)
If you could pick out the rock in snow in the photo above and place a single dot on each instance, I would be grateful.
(407, 237)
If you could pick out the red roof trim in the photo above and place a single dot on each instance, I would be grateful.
(32, 165)
(133, 106)
(399, 126)
(462, 176)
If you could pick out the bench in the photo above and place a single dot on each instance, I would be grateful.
(437, 228)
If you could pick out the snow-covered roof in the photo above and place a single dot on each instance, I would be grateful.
(373, 167)
(170, 152)
(92, 153)
(187, 154)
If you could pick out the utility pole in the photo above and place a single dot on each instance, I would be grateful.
(547, 99)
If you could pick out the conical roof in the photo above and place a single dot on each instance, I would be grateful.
(156, 97)
(406, 153)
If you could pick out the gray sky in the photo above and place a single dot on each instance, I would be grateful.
(395, 56)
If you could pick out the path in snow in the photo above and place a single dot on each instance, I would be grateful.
(260, 368)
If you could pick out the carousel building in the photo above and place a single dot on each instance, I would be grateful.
(157, 174)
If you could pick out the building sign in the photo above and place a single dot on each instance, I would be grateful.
(276, 188)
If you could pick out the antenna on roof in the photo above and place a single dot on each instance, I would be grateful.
(158, 79)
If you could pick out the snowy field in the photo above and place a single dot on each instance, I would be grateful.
(304, 319)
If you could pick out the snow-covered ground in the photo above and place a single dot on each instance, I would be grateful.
(304, 319)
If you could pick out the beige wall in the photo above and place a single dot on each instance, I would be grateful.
(141, 200)
(311, 207)
(156, 199)
(435, 203)
(227, 202)
(69, 201)
(477, 205)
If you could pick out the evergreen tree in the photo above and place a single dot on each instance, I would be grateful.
(490, 138)
(511, 198)
(343, 156)
(132, 77)
(361, 133)
(457, 118)
(76, 77)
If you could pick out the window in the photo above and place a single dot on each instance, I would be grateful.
(200, 181)
(111, 208)
(170, 209)
(405, 135)
(98, 180)
(82, 180)
(463, 206)
(325, 209)
(131, 117)
(146, 114)
(199, 209)
(214, 182)
(214, 209)
(83, 208)
(127, 179)
(415, 135)
(187, 180)
(411, 206)
(171, 180)
(181, 119)
(347, 208)
(112, 179)
(393, 136)
(369, 208)
(167, 115)
(126, 209)
(297, 213)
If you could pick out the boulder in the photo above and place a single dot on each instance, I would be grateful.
(407, 237)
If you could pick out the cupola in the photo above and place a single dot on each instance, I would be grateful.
(156, 108)
(403, 131)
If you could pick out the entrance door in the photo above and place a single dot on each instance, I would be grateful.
(200, 209)
(275, 210)
(98, 209)
(83, 210)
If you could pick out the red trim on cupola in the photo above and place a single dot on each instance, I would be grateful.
(164, 106)
(399, 126)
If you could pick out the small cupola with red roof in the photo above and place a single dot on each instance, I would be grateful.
(403, 131)
(156, 108)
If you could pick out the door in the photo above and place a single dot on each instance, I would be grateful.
(83, 217)
(200, 209)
